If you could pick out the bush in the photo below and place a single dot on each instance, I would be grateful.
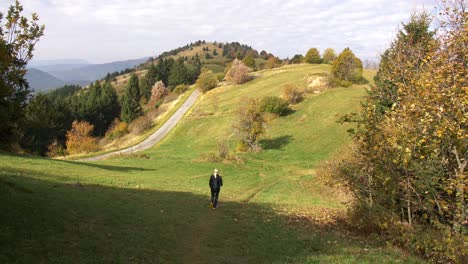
(249, 61)
(56, 149)
(207, 81)
(79, 139)
(238, 73)
(181, 88)
(220, 76)
(117, 129)
(292, 94)
(274, 105)
(140, 125)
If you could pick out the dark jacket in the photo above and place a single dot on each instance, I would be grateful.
(216, 183)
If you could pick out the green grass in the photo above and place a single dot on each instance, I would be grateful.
(154, 207)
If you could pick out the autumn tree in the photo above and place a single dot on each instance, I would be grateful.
(329, 56)
(272, 62)
(249, 125)
(408, 169)
(207, 80)
(238, 73)
(158, 92)
(313, 56)
(79, 139)
(347, 68)
(131, 107)
(18, 37)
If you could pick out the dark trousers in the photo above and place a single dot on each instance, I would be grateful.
(214, 197)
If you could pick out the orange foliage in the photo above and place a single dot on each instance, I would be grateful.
(79, 139)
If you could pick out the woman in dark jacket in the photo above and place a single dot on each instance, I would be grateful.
(215, 185)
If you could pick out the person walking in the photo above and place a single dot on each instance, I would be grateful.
(216, 181)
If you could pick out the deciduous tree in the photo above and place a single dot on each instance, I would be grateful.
(313, 56)
(18, 37)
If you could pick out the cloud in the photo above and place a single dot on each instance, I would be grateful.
(109, 30)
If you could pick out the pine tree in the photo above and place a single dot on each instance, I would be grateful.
(131, 107)
(179, 74)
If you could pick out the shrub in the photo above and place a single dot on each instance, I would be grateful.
(56, 149)
(249, 61)
(158, 92)
(79, 139)
(292, 94)
(347, 67)
(274, 105)
(181, 88)
(238, 73)
(140, 125)
(117, 129)
(220, 76)
(207, 81)
(313, 56)
(249, 124)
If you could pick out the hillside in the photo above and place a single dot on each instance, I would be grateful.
(153, 206)
(94, 72)
(42, 81)
(225, 53)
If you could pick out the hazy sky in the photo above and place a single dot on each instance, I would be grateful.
(109, 30)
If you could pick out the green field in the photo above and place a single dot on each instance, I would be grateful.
(152, 207)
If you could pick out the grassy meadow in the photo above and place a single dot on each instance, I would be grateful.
(152, 207)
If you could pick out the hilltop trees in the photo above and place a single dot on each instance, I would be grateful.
(18, 37)
(313, 56)
(329, 56)
(131, 107)
(298, 58)
(347, 68)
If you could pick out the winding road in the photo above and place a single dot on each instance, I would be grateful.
(158, 135)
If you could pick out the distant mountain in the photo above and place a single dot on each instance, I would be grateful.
(92, 72)
(59, 67)
(40, 63)
(42, 81)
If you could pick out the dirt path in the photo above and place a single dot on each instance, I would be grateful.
(158, 135)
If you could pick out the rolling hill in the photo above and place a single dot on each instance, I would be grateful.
(42, 81)
(153, 206)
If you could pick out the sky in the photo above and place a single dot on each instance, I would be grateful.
(109, 30)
